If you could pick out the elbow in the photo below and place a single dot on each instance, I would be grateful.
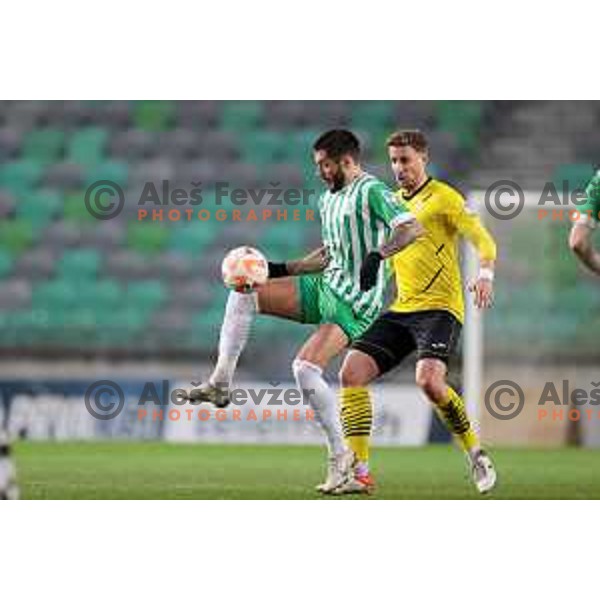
(577, 242)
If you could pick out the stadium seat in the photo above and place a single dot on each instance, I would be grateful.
(86, 146)
(15, 235)
(55, 294)
(15, 293)
(192, 238)
(198, 114)
(79, 264)
(6, 263)
(264, 147)
(372, 115)
(75, 208)
(114, 171)
(176, 266)
(65, 176)
(242, 116)
(26, 115)
(37, 264)
(104, 294)
(154, 115)
(285, 114)
(133, 145)
(10, 143)
(145, 294)
(20, 176)
(39, 207)
(147, 237)
(8, 203)
(44, 145)
(126, 265)
(180, 144)
(61, 234)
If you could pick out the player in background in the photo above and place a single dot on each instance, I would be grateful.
(580, 239)
(8, 484)
(426, 315)
(359, 215)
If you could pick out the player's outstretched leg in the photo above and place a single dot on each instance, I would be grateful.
(278, 298)
(431, 378)
(239, 314)
(328, 341)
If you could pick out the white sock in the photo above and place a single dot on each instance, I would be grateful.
(239, 314)
(322, 400)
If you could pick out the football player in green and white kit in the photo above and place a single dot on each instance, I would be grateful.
(580, 239)
(359, 215)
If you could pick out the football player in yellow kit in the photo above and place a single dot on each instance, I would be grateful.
(426, 315)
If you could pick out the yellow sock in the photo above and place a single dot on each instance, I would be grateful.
(357, 420)
(455, 417)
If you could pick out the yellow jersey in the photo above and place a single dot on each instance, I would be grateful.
(427, 272)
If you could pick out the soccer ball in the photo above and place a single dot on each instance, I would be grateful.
(244, 269)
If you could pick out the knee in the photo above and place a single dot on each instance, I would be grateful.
(357, 370)
(433, 386)
(301, 367)
(350, 376)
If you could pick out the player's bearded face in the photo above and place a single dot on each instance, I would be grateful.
(330, 171)
(408, 165)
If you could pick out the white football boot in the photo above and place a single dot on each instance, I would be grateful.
(483, 472)
(340, 469)
(207, 392)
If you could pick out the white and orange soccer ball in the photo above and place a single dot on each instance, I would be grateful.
(244, 269)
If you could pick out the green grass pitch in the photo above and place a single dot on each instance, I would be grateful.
(142, 470)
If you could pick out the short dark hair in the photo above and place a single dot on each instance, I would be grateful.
(410, 137)
(337, 143)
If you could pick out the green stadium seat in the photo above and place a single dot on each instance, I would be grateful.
(456, 114)
(463, 118)
(192, 238)
(44, 145)
(56, 294)
(117, 172)
(20, 176)
(284, 241)
(82, 264)
(39, 207)
(15, 235)
(145, 294)
(75, 208)
(103, 295)
(264, 147)
(154, 115)
(6, 263)
(370, 115)
(245, 116)
(147, 237)
(87, 146)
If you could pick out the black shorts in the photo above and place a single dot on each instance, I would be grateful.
(393, 336)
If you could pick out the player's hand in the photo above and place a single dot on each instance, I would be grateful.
(369, 270)
(483, 290)
(314, 262)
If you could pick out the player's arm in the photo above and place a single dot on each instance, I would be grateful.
(313, 262)
(405, 229)
(469, 225)
(580, 238)
(580, 242)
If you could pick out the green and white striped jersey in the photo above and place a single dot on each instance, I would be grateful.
(356, 220)
(590, 210)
